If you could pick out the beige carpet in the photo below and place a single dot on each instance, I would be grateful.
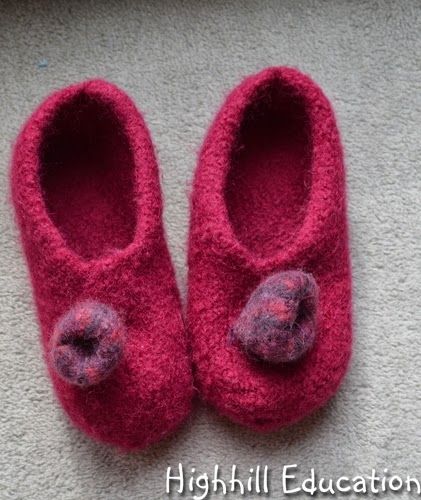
(177, 59)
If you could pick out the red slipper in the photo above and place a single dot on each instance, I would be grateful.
(86, 190)
(269, 307)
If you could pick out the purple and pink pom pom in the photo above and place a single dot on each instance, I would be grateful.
(278, 323)
(87, 343)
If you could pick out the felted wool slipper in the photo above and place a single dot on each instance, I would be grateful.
(86, 191)
(269, 306)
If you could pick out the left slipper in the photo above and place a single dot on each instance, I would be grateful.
(85, 186)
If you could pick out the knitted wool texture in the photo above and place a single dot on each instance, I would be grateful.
(278, 323)
(268, 196)
(86, 191)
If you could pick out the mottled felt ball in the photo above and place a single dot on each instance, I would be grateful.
(278, 323)
(87, 343)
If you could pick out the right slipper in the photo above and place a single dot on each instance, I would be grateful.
(269, 306)
(86, 191)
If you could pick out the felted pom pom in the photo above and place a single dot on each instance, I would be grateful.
(278, 323)
(87, 343)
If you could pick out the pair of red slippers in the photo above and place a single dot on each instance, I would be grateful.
(268, 316)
